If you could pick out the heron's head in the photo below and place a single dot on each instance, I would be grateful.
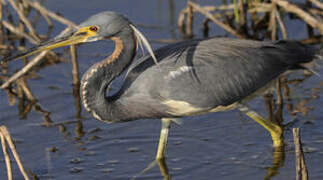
(100, 26)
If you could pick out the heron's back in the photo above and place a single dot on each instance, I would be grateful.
(204, 74)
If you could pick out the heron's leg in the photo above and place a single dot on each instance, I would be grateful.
(275, 131)
(163, 138)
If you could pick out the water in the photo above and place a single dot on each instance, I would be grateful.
(216, 146)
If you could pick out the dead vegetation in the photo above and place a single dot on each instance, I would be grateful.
(252, 19)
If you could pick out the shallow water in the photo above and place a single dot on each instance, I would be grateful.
(224, 145)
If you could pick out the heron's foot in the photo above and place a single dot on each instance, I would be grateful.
(275, 130)
(277, 135)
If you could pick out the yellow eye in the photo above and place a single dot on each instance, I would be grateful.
(94, 28)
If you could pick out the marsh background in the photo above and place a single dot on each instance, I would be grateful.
(224, 145)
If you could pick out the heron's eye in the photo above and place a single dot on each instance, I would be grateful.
(94, 28)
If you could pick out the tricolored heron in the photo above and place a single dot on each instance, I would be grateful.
(191, 77)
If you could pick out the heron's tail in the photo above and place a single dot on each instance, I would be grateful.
(317, 62)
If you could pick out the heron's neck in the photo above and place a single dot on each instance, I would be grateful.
(97, 79)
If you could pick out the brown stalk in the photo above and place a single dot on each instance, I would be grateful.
(181, 21)
(17, 31)
(21, 82)
(292, 8)
(214, 19)
(51, 14)
(24, 70)
(4, 132)
(75, 71)
(301, 169)
(279, 102)
(2, 39)
(242, 27)
(310, 30)
(317, 3)
(281, 25)
(313, 40)
(269, 106)
(272, 22)
(28, 66)
(6, 156)
(25, 3)
(189, 20)
(24, 19)
(45, 15)
(76, 82)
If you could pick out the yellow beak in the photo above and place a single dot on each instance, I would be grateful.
(81, 35)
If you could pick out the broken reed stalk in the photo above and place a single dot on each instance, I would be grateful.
(181, 21)
(33, 38)
(269, 106)
(279, 102)
(301, 169)
(312, 19)
(281, 25)
(75, 71)
(47, 19)
(207, 14)
(2, 34)
(24, 19)
(242, 26)
(272, 21)
(189, 17)
(310, 30)
(17, 31)
(6, 137)
(279, 92)
(292, 8)
(76, 82)
(51, 14)
(25, 89)
(317, 3)
(6, 156)
(24, 70)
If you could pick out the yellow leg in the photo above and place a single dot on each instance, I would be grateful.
(275, 131)
(163, 138)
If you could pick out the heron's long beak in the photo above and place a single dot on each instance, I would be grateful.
(81, 35)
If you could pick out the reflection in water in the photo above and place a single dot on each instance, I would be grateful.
(21, 94)
(78, 106)
(79, 133)
(275, 114)
(278, 162)
(162, 168)
(26, 101)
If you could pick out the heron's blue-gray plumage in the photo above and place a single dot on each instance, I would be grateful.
(207, 73)
(192, 77)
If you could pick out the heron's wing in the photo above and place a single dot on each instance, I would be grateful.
(205, 74)
(221, 72)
